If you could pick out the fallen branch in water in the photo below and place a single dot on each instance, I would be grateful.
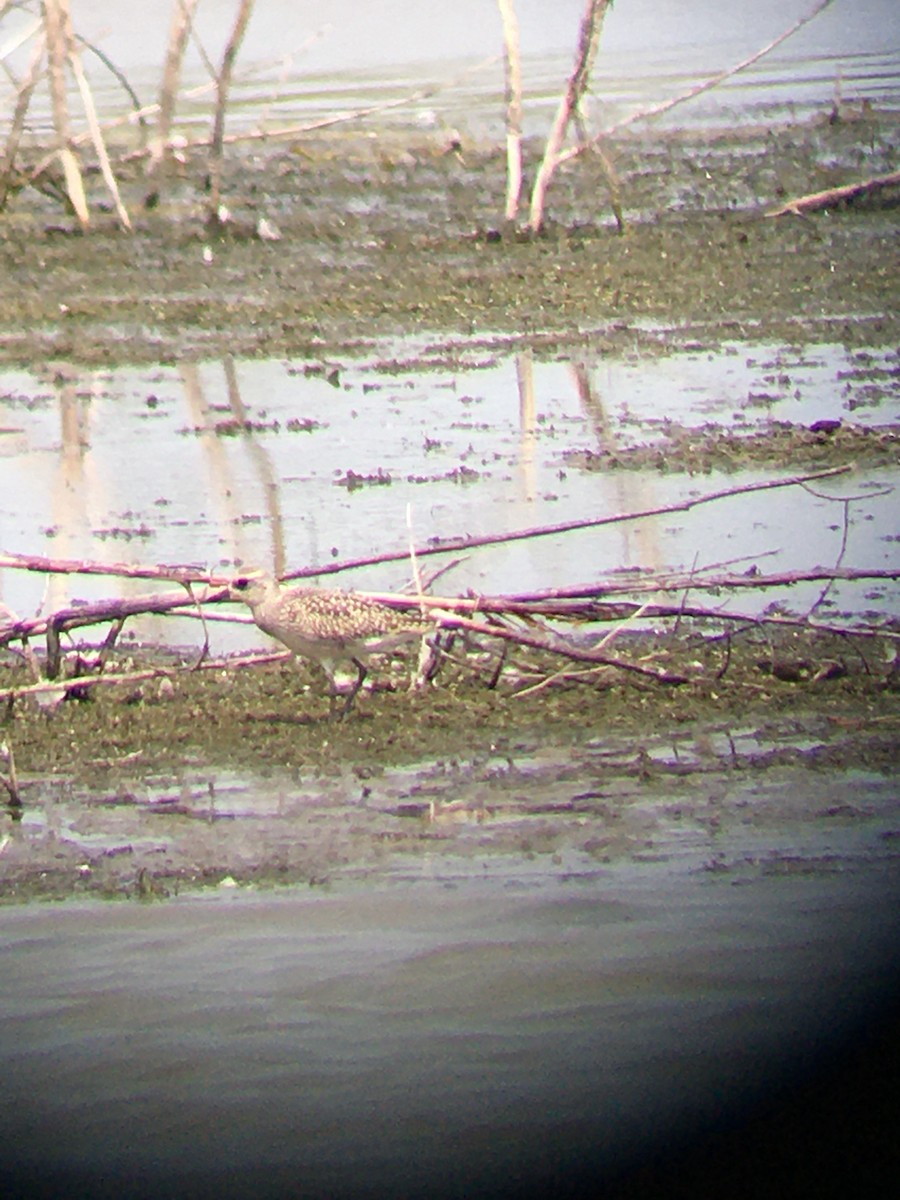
(628, 597)
(182, 574)
(455, 545)
(98, 612)
(642, 581)
(566, 649)
(487, 617)
(825, 199)
(85, 566)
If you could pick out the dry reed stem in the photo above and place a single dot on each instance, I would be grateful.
(223, 85)
(179, 31)
(512, 61)
(90, 111)
(57, 25)
(25, 91)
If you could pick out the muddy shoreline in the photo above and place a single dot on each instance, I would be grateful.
(241, 778)
(387, 239)
(401, 245)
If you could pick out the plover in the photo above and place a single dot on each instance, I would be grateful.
(329, 625)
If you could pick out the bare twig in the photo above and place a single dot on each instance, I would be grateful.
(566, 649)
(56, 26)
(79, 566)
(455, 545)
(512, 62)
(830, 196)
(588, 39)
(179, 31)
(17, 124)
(223, 85)
(82, 615)
(707, 85)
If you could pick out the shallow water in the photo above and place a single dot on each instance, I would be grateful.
(444, 1036)
(285, 464)
(299, 64)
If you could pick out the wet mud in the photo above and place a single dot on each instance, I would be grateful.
(237, 777)
(382, 238)
(243, 778)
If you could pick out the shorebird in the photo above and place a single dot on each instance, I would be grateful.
(328, 625)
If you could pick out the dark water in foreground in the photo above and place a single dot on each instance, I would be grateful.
(529, 1035)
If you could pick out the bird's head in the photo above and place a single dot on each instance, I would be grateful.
(252, 588)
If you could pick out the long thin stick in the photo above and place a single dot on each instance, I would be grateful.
(56, 24)
(90, 111)
(182, 574)
(589, 34)
(657, 109)
(223, 86)
(830, 196)
(566, 649)
(454, 545)
(17, 124)
(512, 61)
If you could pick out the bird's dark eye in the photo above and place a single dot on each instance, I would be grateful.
(241, 585)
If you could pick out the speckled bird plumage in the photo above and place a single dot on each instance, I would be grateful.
(329, 626)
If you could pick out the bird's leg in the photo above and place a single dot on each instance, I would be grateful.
(431, 655)
(334, 693)
(351, 695)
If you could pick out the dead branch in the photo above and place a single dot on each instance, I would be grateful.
(512, 62)
(17, 124)
(830, 196)
(698, 89)
(78, 616)
(191, 574)
(565, 649)
(223, 85)
(640, 582)
(56, 27)
(179, 31)
(588, 39)
(77, 566)
(585, 603)
(591, 605)
(455, 545)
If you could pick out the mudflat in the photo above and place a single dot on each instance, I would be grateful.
(380, 240)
